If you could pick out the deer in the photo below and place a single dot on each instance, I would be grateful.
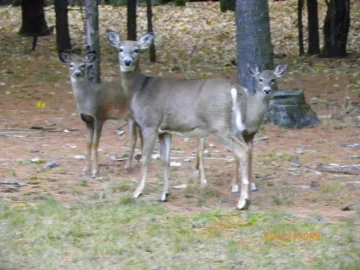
(97, 103)
(195, 108)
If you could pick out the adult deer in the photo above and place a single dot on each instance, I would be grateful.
(192, 108)
(96, 104)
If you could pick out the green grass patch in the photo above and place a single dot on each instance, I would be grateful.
(133, 234)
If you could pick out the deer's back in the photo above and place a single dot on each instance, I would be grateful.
(184, 105)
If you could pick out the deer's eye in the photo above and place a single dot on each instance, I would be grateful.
(82, 66)
(121, 49)
(273, 80)
(136, 50)
(260, 80)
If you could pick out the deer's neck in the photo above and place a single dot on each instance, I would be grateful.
(82, 90)
(257, 106)
(132, 81)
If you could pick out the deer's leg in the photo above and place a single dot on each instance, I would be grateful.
(252, 183)
(165, 147)
(133, 138)
(235, 180)
(240, 149)
(199, 164)
(89, 141)
(98, 127)
(149, 140)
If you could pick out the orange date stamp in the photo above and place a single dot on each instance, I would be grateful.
(293, 236)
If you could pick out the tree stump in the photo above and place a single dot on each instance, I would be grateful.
(288, 108)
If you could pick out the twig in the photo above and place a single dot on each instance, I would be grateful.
(322, 168)
(347, 207)
(12, 183)
(261, 139)
(15, 136)
(266, 177)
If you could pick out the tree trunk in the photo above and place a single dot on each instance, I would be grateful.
(300, 27)
(131, 19)
(92, 37)
(313, 27)
(253, 39)
(62, 27)
(33, 19)
(336, 28)
(152, 51)
(226, 5)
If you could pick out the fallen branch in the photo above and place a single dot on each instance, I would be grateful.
(331, 168)
(348, 207)
(12, 183)
(14, 136)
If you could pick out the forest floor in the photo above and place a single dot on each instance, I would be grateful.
(60, 219)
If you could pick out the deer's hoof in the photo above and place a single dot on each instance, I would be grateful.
(243, 204)
(203, 183)
(127, 169)
(137, 193)
(164, 197)
(234, 188)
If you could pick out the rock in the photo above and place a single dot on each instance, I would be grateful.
(183, 186)
(211, 145)
(115, 158)
(288, 108)
(175, 164)
(207, 153)
(187, 160)
(80, 157)
(155, 157)
(51, 164)
(120, 132)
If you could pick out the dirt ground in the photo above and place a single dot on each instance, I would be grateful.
(56, 133)
(28, 132)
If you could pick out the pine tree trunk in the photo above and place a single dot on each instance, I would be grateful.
(33, 19)
(131, 19)
(152, 51)
(62, 26)
(92, 37)
(336, 28)
(253, 39)
(313, 27)
(226, 5)
(300, 27)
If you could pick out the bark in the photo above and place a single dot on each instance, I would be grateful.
(226, 5)
(336, 28)
(92, 38)
(33, 19)
(313, 27)
(152, 51)
(300, 27)
(131, 19)
(253, 39)
(62, 26)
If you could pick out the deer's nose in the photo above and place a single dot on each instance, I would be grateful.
(267, 90)
(127, 62)
(77, 73)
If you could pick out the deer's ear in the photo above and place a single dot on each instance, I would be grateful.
(280, 69)
(253, 70)
(90, 57)
(113, 37)
(146, 40)
(64, 57)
